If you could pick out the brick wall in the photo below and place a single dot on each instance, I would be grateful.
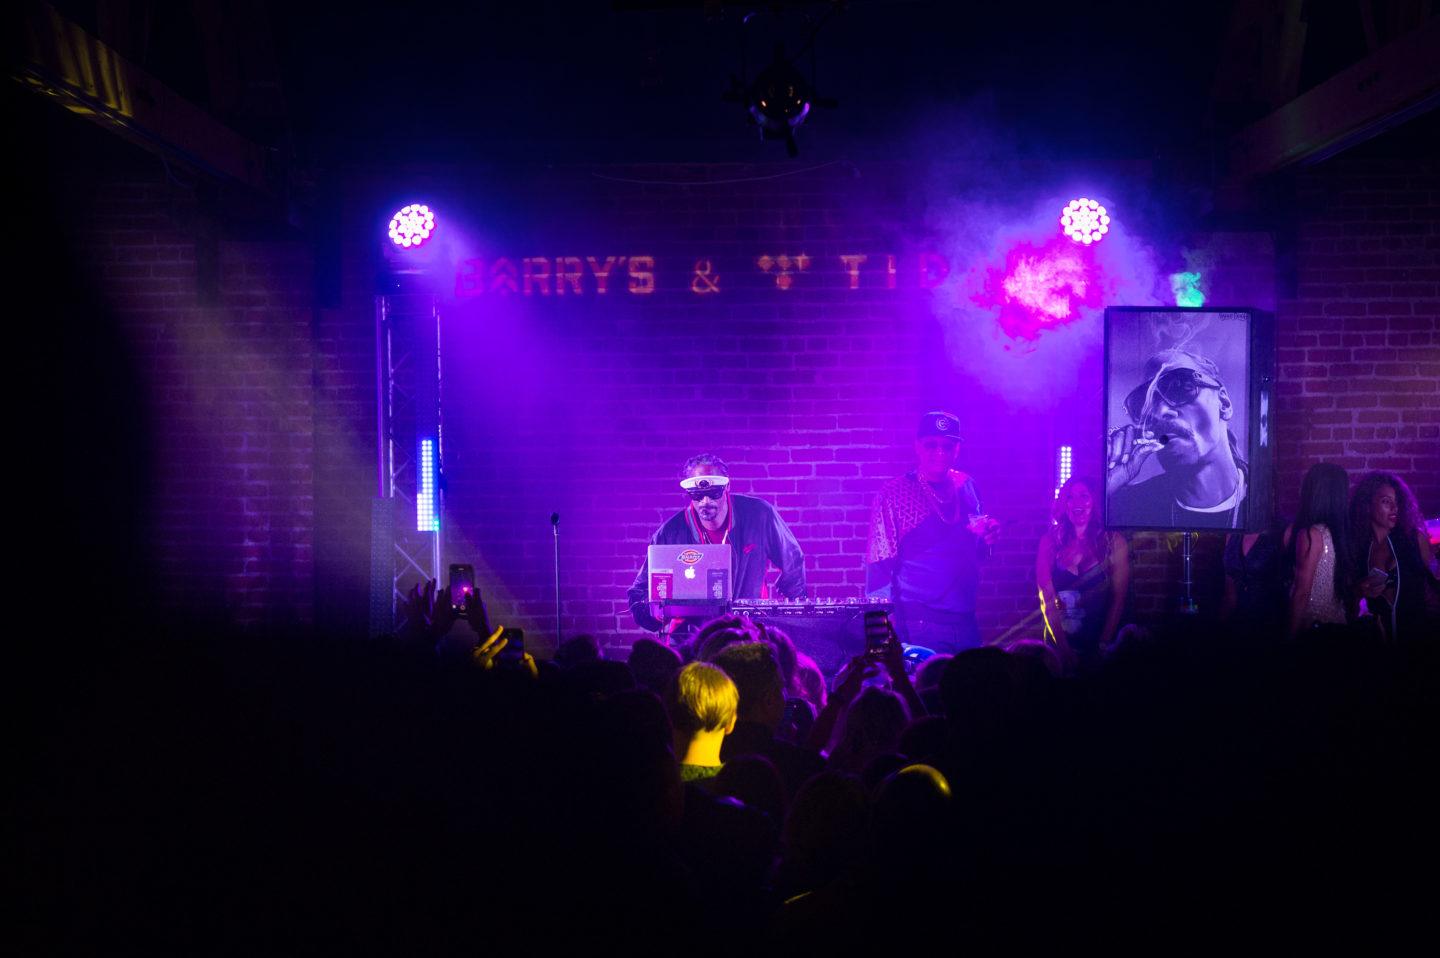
(587, 404)
(1359, 340)
(258, 399)
(215, 331)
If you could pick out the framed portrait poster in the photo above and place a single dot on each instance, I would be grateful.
(1188, 430)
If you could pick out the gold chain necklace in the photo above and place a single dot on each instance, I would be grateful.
(939, 504)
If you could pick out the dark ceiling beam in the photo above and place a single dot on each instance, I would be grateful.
(89, 78)
(1399, 81)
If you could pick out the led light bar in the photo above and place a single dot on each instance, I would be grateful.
(427, 513)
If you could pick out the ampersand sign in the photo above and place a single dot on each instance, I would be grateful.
(706, 280)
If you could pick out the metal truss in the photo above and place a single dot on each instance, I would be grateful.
(407, 349)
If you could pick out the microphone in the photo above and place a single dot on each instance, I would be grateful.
(554, 518)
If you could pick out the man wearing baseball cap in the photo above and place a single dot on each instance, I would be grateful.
(753, 528)
(1180, 413)
(928, 536)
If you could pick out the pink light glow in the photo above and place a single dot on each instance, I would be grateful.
(1040, 288)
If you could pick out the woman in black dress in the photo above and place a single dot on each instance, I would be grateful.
(1083, 574)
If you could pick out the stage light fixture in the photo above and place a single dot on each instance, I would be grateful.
(1084, 221)
(412, 225)
(778, 100)
(427, 515)
(1064, 463)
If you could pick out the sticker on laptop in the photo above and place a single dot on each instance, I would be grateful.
(719, 584)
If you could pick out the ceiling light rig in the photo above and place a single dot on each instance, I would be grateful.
(779, 100)
(780, 97)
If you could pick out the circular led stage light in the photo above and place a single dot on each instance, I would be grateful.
(1084, 221)
(412, 225)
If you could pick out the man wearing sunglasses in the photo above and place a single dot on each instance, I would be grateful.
(928, 536)
(758, 537)
(1179, 414)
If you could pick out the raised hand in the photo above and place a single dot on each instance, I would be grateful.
(476, 614)
(489, 649)
(425, 619)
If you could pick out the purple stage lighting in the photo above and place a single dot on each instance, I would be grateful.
(427, 516)
(1084, 221)
(1064, 464)
(412, 225)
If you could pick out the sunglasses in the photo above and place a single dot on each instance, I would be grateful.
(1175, 387)
(698, 495)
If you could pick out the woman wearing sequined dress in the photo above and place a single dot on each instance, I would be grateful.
(1316, 545)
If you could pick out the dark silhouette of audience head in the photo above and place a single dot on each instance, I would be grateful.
(574, 651)
(653, 664)
(978, 692)
(871, 727)
(752, 779)
(927, 682)
(755, 671)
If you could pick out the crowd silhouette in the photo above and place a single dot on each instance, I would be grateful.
(430, 793)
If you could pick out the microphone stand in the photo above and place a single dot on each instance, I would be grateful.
(555, 527)
(1188, 605)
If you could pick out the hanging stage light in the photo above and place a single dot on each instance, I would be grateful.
(1084, 221)
(412, 225)
(778, 100)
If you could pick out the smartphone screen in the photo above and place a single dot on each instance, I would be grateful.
(462, 585)
(877, 631)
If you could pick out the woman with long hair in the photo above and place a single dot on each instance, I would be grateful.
(1315, 549)
(1083, 574)
(1390, 557)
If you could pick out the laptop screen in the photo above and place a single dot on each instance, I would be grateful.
(690, 572)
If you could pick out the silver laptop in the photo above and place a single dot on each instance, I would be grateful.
(689, 574)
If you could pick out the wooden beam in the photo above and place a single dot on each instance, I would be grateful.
(1397, 82)
(89, 78)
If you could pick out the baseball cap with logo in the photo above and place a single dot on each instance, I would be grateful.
(938, 423)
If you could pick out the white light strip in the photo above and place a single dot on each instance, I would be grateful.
(1064, 463)
(427, 519)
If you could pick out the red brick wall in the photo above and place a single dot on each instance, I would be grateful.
(1359, 341)
(588, 406)
(261, 404)
(218, 333)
